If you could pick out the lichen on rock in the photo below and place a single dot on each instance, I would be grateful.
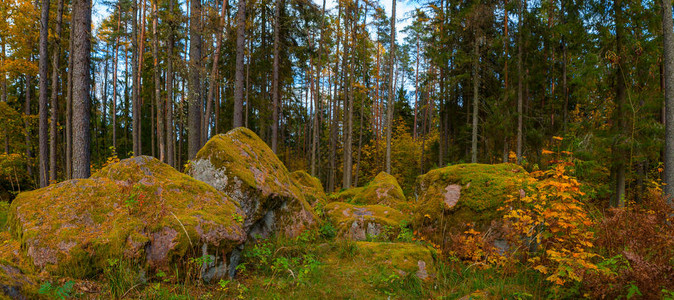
(240, 164)
(358, 222)
(137, 209)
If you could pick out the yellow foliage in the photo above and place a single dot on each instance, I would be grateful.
(552, 217)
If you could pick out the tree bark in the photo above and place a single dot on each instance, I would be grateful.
(53, 130)
(315, 145)
(619, 155)
(520, 80)
(81, 17)
(3, 93)
(391, 97)
(114, 79)
(44, 98)
(238, 76)
(135, 85)
(214, 76)
(194, 98)
(26, 123)
(275, 77)
(170, 151)
(69, 108)
(161, 129)
(668, 33)
(476, 98)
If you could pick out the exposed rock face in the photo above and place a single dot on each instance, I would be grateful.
(240, 164)
(360, 222)
(401, 258)
(139, 209)
(449, 198)
(311, 187)
(382, 190)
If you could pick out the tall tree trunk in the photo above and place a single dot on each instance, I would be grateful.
(104, 117)
(214, 76)
(170, 151)
(332, 178)
(135, 86)
(391, 97)
(194, 81)
(114, 80)
(620, 90)
(53, 130)
(69, 108)
(139, 81)
(520, 80)
(238, 76)
(476, 98)
(26, 124)
(348, 111)
(416, 90)
(81, 17)
(161, 129)
(315, 145)
(275, 76)
(44, 96)
(3, 93)
(668, 33)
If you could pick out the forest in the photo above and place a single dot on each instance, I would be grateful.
(292, 149)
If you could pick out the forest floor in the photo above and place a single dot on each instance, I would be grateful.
(313, 267)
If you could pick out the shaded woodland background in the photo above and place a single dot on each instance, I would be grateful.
(472, 81)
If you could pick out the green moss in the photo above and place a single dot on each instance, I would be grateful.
(311, 187)
(399, 256)
(73, 227)
(11, 257)
(483, 189)
(240, 164)
(382, 190)
(344, 215)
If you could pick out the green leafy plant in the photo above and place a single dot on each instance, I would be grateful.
(57, 292)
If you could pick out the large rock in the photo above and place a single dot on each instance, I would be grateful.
(240, 164)
(401, 258)
(138, 209)
(451, 197)
(311, 187)
(358, 222)
(382, 190)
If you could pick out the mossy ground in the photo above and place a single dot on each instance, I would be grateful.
(342, 269)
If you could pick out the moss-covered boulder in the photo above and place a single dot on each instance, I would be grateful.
(382, 190)
(451, 197)
(358, 222)
(311, 187)
(401, 258)
(240, 164)
(17, 275)
(138, 209)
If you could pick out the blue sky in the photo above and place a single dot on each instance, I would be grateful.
(100, 11)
